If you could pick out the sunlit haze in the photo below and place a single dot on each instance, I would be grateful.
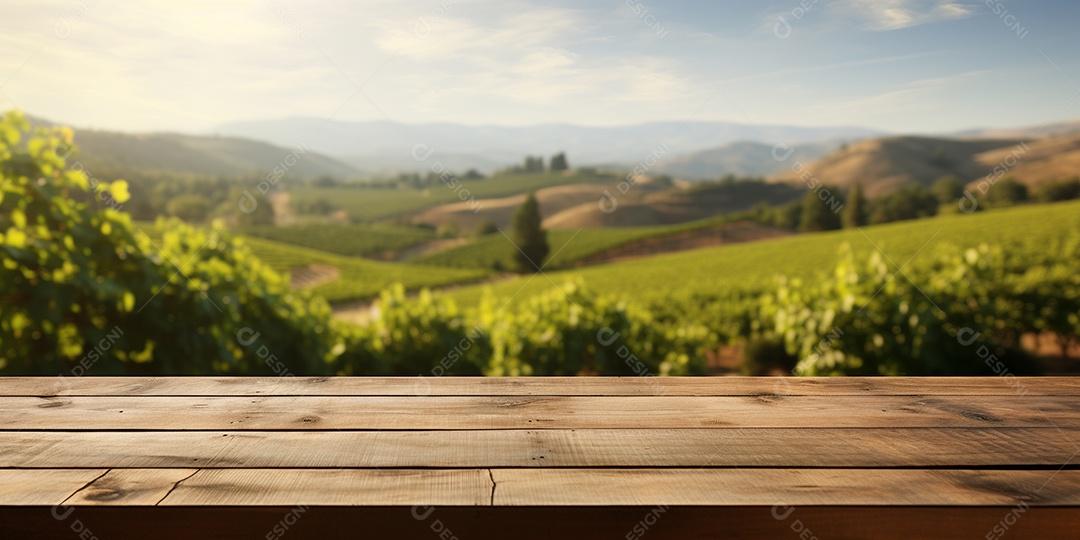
(924, 66)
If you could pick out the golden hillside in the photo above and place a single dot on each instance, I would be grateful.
(882, 165)
(1036, 162)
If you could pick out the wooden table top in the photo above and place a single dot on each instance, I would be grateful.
(633, 457)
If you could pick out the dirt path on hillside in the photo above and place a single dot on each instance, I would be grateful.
(361, 312)
(283, 214)
(415, 251)
(312, 275)
(728, 233)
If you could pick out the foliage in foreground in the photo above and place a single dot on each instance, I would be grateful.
(566, 331)
(869, 319)
(80, 289)
(347, 240)
(82, 292)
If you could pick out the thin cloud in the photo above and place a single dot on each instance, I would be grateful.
(162, 65)
(883, 15)
(915, 95)
(834, 66)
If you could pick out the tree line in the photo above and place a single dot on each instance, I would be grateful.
(826, 208)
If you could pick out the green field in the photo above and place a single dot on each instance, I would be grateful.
(567, 246)
(671, 283)
(675, 279)
(370, 204)
(360, 278)
(348, 240)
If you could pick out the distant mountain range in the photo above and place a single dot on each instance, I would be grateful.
(883, 157)
(1030, 132)
(742, 159)
(197, 154)
(384, 146)
(694, 150)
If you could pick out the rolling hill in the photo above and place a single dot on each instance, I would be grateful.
(885, 164)
(454, 199)
(587, 247)
(355, 278)
(699, 276)
(377, 145)
(741, 159)
(341, 278)
(200, 155)
(649, 201)
(1039, 161)
(675, 205)
(553, 201)
(196, 154)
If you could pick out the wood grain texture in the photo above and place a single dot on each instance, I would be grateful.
(536, 386)
(790, 487)
(198, 457)
(129, 487)
(531, 412)
(763, 447)
(48, 487)
(343, 487)
(543, 523)
(594, 487)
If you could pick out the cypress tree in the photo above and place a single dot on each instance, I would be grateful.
(820, 210)
(530, 238)
(855, 214)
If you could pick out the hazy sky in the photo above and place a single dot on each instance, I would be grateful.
(895, 65)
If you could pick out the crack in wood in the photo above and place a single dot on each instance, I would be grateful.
(176, 485)
(88, 484)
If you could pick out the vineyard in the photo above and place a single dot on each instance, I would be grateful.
(82, 288)
(369, 204)
(347, 240)
(955, 311)
(567, 246)
(752, 268)
(358, 278)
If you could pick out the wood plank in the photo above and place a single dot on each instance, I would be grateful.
(545, 523)
(535, 386)
(587, 487)
(789, 487)
(531, 412)
(340, 487)
(48, 487)
(757, 447)
(912, 458)
(129, 487)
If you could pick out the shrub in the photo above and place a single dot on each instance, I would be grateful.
(570, 331)
(868, 319)
(83, 291)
